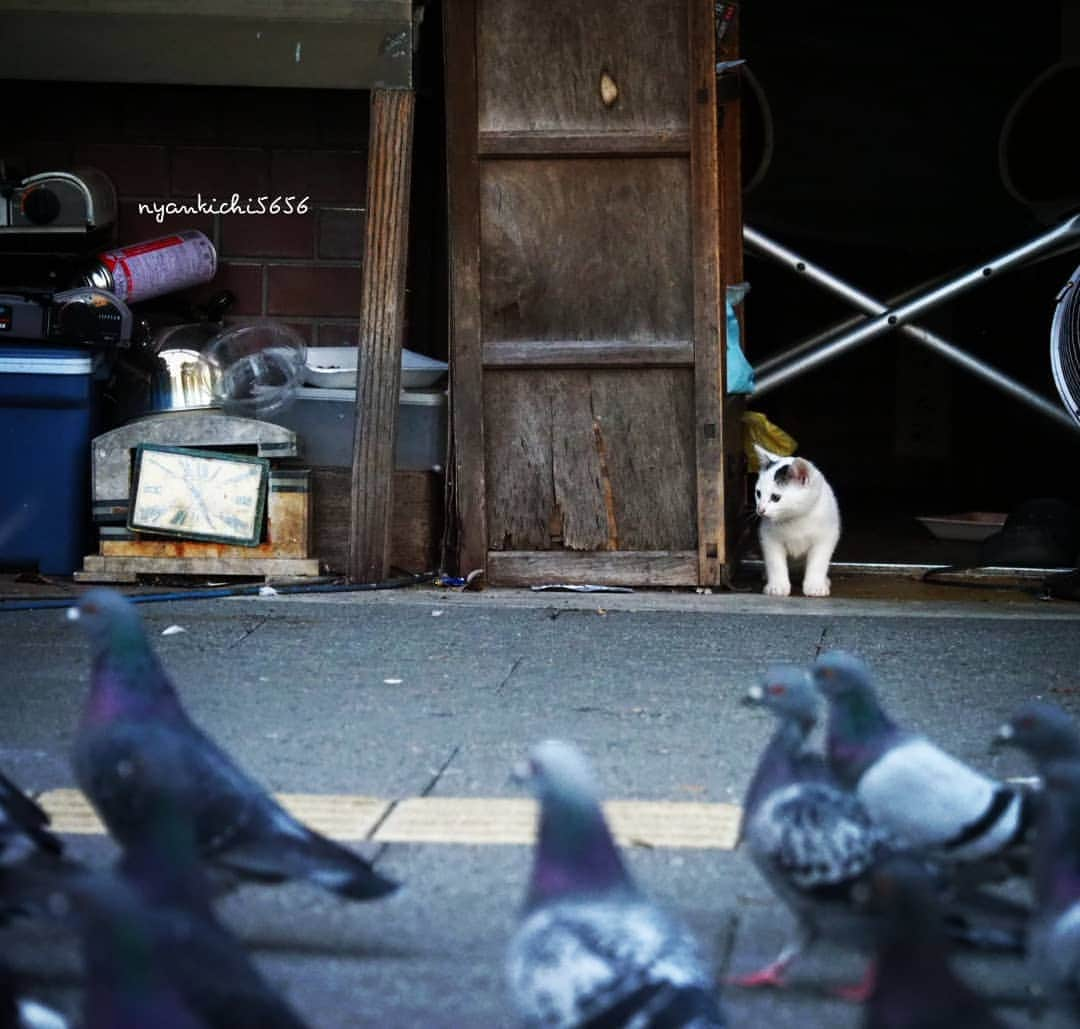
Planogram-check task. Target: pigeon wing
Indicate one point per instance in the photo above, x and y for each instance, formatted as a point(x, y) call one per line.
point(577, 963)
point(816, 836)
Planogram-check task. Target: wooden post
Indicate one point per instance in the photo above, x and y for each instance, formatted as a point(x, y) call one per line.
point(467, 473)
point(709, 328)
point(382, 321)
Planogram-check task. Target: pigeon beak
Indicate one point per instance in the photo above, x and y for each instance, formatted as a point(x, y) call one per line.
point(1003, 737)
point(72, 614)
point(753, 696)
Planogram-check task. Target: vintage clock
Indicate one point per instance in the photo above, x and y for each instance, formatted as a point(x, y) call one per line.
point(198, 494)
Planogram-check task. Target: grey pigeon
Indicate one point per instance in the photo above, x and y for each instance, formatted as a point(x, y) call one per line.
point(154, 953)
point(23, 823)
point(133, 722)
point(592, 950)
point(1054, 944)
point(925, 796)
point(1043, 731)
point(815, 844)
point(811, 839)
point(1050, 738)
point(915, 986)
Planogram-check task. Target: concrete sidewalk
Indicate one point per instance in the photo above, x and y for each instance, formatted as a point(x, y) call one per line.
point(433, 693)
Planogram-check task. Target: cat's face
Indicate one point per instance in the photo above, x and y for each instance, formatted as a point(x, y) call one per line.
point(781, 485)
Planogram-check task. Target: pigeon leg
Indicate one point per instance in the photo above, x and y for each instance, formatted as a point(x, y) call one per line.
point(773, 973)
point(859, 993)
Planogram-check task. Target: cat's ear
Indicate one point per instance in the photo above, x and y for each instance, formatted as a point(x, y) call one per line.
point(799, 471)
point(765, 457)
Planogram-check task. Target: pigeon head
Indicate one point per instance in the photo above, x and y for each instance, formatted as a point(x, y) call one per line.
point(126, 677)
point(788, 692)
point(575, 852)
point(859, 730)
point(1043, 731)
point(110, 621)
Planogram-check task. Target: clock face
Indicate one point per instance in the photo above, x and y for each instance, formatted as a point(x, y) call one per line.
point(198, 494)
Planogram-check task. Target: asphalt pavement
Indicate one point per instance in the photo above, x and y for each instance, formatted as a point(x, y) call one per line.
point(425, 693)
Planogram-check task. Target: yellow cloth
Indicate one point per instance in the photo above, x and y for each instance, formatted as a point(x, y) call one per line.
point(758, 429)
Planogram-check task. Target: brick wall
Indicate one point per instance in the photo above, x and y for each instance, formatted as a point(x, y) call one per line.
point(161, 144)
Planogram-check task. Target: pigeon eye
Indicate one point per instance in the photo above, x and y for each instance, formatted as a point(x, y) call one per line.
point(826, 673)
point(775, 689)
point(90, 609)
point(1027, 722)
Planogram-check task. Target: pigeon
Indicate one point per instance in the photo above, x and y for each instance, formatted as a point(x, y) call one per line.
point(133, 723)
point(591, 949)
point(1054, 944)
point(925, 796)
point(810, 839)
point(23, 823)
point(915, 987)
point(815, 844)
point(154, 953)
point(1043, 731)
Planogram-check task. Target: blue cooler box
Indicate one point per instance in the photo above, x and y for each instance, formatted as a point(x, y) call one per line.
point(47, 420)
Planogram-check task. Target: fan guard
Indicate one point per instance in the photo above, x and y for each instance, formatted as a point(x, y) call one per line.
point(1065, 345)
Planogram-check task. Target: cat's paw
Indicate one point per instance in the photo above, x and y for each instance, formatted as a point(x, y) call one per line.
point(778, 589)
point(816, 588)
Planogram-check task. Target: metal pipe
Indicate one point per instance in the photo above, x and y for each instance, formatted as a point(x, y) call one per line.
point(889, 319)
point(867, 303)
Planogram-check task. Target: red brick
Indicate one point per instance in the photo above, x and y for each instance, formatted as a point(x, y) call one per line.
point(134, 170)
point(216, 173)
point(305, 330)
point(339, 334)
point(173, 114)
point(134, 226)
point(268, 235)
point(341, 233)
point(243, 280)
point(271, 117)
point(42, 156)
point(344, 116)
point(337, 176)
point(314, 290)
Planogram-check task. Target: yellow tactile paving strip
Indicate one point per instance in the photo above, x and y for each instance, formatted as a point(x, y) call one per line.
point(467, 820)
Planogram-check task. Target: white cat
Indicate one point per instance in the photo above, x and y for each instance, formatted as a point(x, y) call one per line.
point(799, 519)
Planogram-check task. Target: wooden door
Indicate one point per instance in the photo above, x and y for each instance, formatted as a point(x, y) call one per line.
point(586, 219)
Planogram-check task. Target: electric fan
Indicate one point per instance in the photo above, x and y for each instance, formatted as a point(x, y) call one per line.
point(1065, 345)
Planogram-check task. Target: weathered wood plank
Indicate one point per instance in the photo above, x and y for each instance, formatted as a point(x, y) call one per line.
point(594, 249)
point(587, 353)
point(126, 566)
point(590, 460)
point(708, 290)
point(729, 159)
point(606, 568)
point(467, 486)
point(654, 143)
point(381, 330)
point(541, 65)
point(415, 530)
point(344, 44)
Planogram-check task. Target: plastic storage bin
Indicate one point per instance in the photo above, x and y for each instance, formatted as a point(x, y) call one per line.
point(324, 421)
point(47, 419)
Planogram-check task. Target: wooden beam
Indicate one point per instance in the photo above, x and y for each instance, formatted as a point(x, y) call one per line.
point(591, 353)
point(729, 161)
point(661, 143)
point(601, 568)
point(708, 292)
point(381, 329)
point(467, 486)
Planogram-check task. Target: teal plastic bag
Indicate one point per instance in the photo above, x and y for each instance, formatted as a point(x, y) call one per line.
point(740, 375)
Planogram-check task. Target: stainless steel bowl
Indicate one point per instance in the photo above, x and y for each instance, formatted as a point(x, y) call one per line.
point(181, 379)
